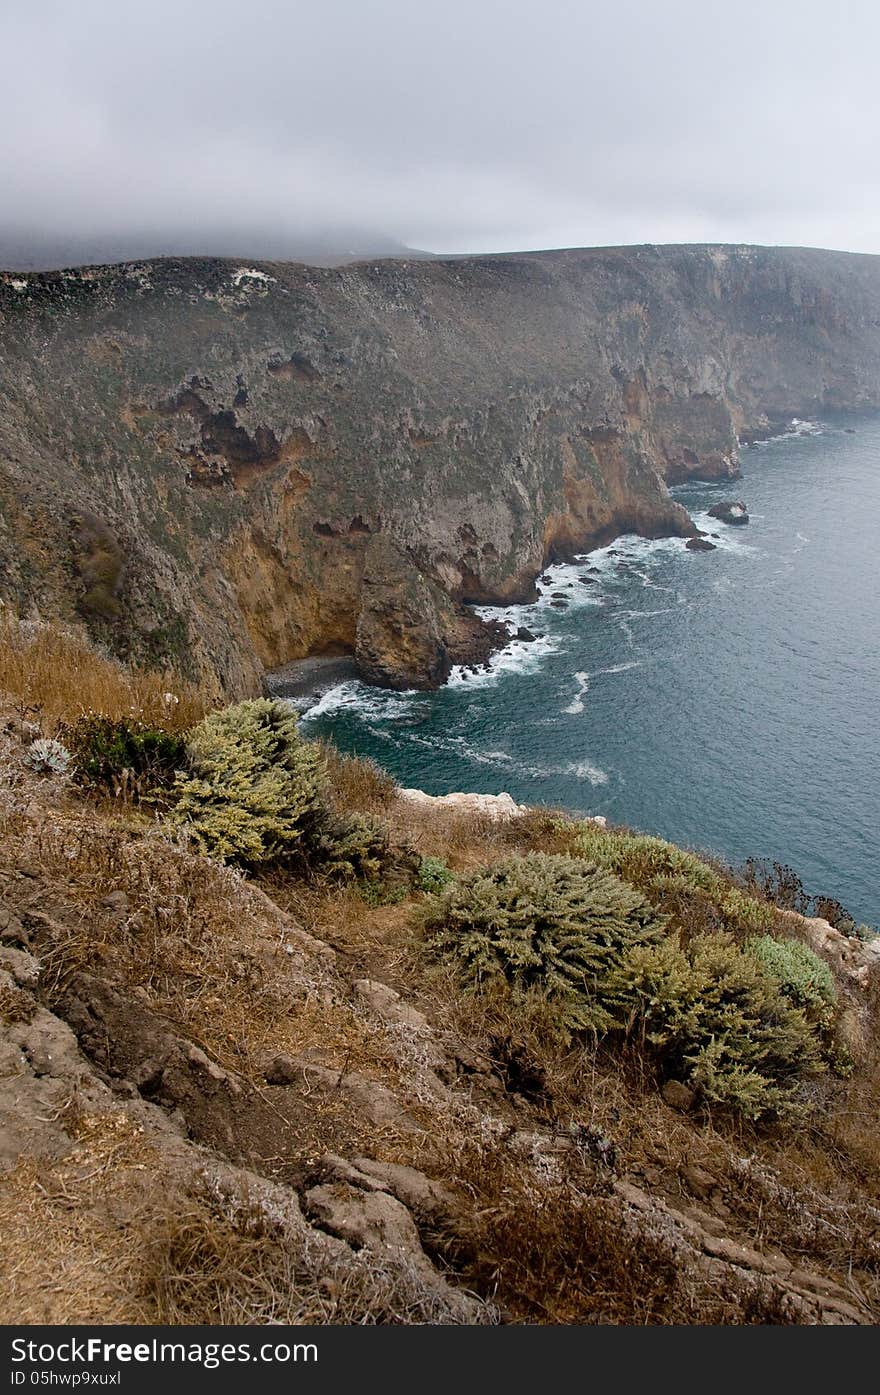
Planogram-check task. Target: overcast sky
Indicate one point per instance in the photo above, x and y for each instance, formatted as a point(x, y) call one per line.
point(459, 125)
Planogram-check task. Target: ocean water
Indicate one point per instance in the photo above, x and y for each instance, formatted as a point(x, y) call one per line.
point(726, 700)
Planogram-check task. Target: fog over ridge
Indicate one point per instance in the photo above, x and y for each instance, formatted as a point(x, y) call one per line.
point(486, 126)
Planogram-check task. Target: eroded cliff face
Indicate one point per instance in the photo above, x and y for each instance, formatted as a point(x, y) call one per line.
point(224, 467)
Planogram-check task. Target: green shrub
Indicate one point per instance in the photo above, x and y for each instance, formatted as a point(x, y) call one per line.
point(123, 757)
point(381, 893)
point(543, 921)
point(254, 794)
point(804, 978)
point(718, 1019)
point(433, 875)
point(663, 872)
point(355, 847)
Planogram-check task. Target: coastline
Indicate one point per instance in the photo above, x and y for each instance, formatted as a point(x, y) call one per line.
point(303, 682)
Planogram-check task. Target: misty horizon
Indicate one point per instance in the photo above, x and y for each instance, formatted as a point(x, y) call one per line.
point(482, 128)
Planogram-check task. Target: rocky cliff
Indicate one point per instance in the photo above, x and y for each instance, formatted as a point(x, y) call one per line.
point(223, 467)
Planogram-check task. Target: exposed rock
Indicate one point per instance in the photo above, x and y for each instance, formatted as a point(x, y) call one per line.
point(334, 1168)
point(400, 641)
point(369, 1218)
point(262, 431)
point(21, 966)
point(372, 1100)
point(679, 1096)
point(699, 545)
point(409, 633)
point(730, 511)
point(11, 929)
point(809, 1297)
point(525, 635)
point(699, 1181)
point(387, 1004)
point(282, 1070)
point(854, 959)
point(430, 1201)
point(499, 807)
point(116, 902)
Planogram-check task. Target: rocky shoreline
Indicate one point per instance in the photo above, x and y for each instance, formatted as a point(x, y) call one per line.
point(346, 461)
point(303, 682)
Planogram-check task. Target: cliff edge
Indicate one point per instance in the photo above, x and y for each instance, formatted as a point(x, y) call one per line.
point(223, 467)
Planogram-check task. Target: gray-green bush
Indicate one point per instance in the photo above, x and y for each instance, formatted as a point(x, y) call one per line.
point(255, 793)
point(804, 978)
point(547, 922)
point(718, 1019)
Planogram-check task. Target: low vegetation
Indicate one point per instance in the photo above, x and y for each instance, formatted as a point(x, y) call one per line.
point(252, 792)
point(256, 794)
point(123, 756)
point(570, 974)
point(738, 1024)
point(543, 922)
point(673, 878)
point(715, 1019)
point(51, 674)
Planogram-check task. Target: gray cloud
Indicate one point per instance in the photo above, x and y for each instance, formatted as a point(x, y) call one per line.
point(454, 126)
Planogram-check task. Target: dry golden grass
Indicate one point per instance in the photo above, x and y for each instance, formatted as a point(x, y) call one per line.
point(216, 1260)
point(67, 1254)
point(357, 784)
point(50, 674)
point(204, 948)
point(194, 939)
point(465, 838)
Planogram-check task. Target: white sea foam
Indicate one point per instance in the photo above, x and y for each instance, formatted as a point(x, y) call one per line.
point(367, 701)
point(619, 668)
point(504, 761)
point(796, 427)
point(728, 537)
point(582, 770)
point(577, 703)
point(610, 568)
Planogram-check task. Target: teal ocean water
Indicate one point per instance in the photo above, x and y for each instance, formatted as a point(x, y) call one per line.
point(726, 700)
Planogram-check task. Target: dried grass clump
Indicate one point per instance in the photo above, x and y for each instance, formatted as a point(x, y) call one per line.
point(564, 1251)
point(356, 783)
point(72, 1227)
point(55, 674)
point(217, 1260)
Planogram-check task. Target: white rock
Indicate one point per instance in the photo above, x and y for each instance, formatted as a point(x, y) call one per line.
point(499, 807)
